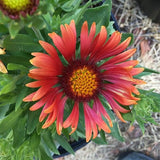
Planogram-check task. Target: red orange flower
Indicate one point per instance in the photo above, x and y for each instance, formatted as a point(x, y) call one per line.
point(101, 68)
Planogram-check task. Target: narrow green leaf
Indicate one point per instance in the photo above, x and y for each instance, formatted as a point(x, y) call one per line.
point(92, 15)
point(76, 15)
point(34, 141)
point(102, 134)
point(13, 66)
point(14, 28)
point(8, 87)
point(19, 132)
point(10, 121)
point(99, 140)
point(126, 35)
point(62, 141)
point(33, 119)
point(44, 155)
point(3, 110)
point(146, 72)
point(128, 116)
point(3, 29)
point(38, 23)
point(50, 142)
point(21, 44)
point(20, 97)
point(115, 132)
point(110, 28)
point(74, 136)
point(70, 5)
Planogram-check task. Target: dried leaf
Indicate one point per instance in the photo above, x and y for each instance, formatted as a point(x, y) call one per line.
point(144, 47)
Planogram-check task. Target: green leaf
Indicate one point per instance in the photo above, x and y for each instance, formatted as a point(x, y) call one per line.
point(17, 60)
point(126, 35)
point(92, 15)
point(3, 111)
point(142, 112)
point(14, 28)
point(71, 5)
point(146, 72)
point(19, 132)
point(128, 116)
point(21, 44)
point(33, 119)
point(20, 97)
point(101, 139)
point(3, 29)
point(8, 87)
point(48, 139)
point(10, 121)
point(13, 66)
point(38, 23)
point(115, 132)
point(34, 140)
point(44, 155)
point(62, 141)
point(76, 15)
point(110, 28)
point(7, 99)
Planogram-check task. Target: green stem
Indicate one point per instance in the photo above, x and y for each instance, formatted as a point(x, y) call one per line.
point(38, 33)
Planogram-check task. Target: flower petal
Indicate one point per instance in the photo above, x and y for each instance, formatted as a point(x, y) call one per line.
point(98, 42)
point(60, 110)
point(72, 120)
point(136, 71)
point(3, 68)
point(99, 109)
point(29, 97)
point(91, 122)
point(67, 44)
point(121, 57)
point(41, 92)
point(86, 39)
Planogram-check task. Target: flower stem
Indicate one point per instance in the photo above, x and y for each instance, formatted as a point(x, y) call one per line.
point(38, 33)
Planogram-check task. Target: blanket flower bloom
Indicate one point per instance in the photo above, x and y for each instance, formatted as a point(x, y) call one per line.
point(100, 68)
point(15, 8)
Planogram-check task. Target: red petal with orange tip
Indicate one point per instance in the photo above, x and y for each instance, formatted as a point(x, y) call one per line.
point(72, 120)
point(67, 44)
point(99, 41)
point(113, 104)
point(99, 109)
point(112, 42)
point(121, 57)
point(113, 52)
point(29, 97)
point(86, 39)
point(41, 92)
point(91, 122)
point(60, 111)
point(51, 51)
point(40, 83)
point(136, 71)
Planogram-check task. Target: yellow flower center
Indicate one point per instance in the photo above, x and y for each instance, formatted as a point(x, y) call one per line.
point(83, 82)
point(16, 5)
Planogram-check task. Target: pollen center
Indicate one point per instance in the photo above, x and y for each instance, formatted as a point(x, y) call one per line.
point(83, 82)
point(16, 5)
